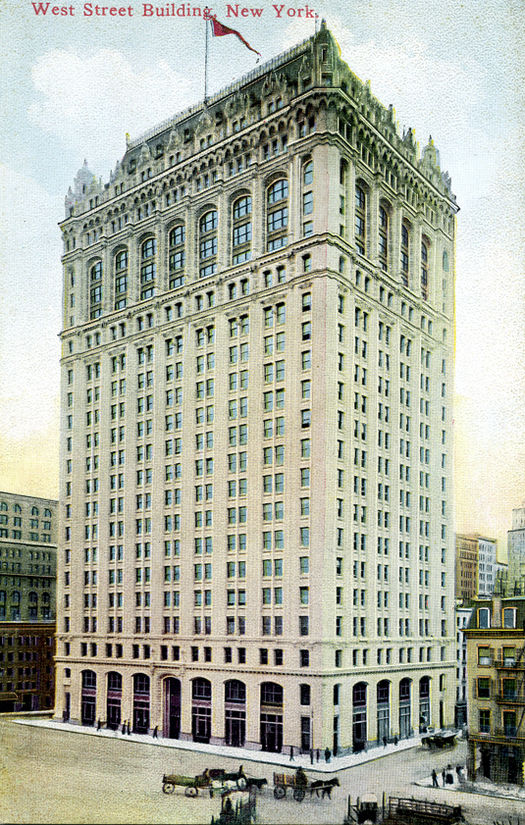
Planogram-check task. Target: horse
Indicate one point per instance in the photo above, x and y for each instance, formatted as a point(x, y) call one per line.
point(257, 783)
point(323, 785)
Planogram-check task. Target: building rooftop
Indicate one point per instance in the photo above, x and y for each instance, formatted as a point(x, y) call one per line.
point(298, 70)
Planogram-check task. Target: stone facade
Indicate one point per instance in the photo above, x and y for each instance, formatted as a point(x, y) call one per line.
point(256, 539)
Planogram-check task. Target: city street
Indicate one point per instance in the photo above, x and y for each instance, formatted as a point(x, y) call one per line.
point(52, 776)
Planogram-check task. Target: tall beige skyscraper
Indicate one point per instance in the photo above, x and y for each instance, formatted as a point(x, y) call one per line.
point(256, 461)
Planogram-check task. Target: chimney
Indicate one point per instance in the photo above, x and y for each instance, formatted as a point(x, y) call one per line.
point(496, 612)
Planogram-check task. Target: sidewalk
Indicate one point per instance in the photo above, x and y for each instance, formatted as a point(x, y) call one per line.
point(482, 787)
point(242, 754)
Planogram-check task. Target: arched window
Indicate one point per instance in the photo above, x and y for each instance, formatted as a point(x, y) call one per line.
point(383, 237)
point(15, 597)
point(360, 219)
point(277, 215)
point(89, 679)
point(2, 596)
point(201, 710)
point(359, 721)
point(424, 268)
point(383, 710)
point(45, 598)
point(405, 710)
point(17, 508)
point(383, 692)
point(235, 691)
point(445, 261)
point(33, 597)
point(201, 689)
point(47, 512)
point(424, 687)
point(141, 683)
point(114, 681)
point(208, 243)
point(405, 252)
point(148, 268)
point(242, 230)
point(3, 505)
point(177, 256)
point(95, 290)
point(424, 703)
point(35, 511)
point(121, 278)
point(88, 697)
point(404, 690)
point(271, 694)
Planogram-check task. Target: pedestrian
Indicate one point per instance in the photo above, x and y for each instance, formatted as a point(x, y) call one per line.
point(156, 732)
point(99, 725)
point(129, 728)
point(396, 740)
point(450, 777)
point(434, 779)
point(327, 754)
point(444, 776)
point(459, 771)
point(291, 753)
point(385, 741)
point(124, 726)
point(318, 755)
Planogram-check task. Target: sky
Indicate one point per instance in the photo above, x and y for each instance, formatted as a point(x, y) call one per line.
point(73, 84)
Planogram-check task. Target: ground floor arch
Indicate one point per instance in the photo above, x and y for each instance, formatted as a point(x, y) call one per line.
point(242, 709)
point(172, 707)
point(271, 717)
point(114, 700)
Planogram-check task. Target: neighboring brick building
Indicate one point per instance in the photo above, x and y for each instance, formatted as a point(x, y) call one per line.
point(466, 567)
point(496, 689)
point(27, 673)
point(28, 533)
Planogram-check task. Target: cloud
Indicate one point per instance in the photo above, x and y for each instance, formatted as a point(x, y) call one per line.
point(90, 102)
point(31, 287)
point(433, 93)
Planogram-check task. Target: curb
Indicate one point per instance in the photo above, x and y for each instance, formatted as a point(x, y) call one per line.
point(224, 751)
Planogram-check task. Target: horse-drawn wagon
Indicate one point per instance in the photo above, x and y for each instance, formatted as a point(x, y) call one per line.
point(211, 778)
point(298, 784)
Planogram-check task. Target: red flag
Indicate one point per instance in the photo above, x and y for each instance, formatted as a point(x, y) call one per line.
point(219, 30)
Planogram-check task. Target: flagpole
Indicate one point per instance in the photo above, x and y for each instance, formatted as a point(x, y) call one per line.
point(206, 60)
